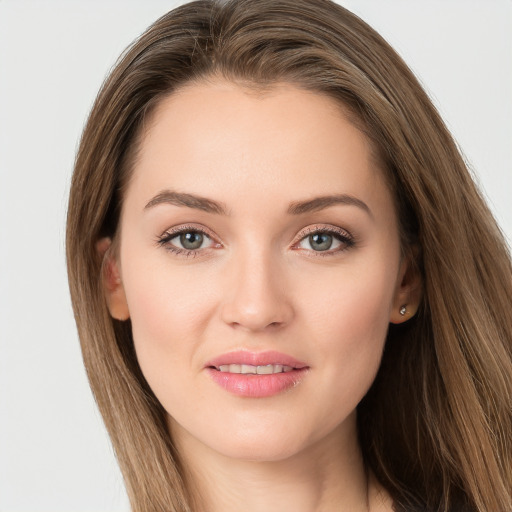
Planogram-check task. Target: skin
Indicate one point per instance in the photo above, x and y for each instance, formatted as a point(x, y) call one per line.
point(259, 283)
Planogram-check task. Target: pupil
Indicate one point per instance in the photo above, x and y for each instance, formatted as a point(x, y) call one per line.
point(191, 240)
point(320, 241)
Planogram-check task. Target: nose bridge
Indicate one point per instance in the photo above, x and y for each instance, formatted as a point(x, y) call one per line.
point(256, 296)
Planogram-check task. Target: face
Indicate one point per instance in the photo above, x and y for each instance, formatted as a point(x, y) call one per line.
point(259, 262)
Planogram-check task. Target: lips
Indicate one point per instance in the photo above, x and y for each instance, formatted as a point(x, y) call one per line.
point(244, 357)
point(249, 369)
point(256, 375)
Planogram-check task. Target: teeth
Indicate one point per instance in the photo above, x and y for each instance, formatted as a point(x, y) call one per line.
point(265, 370)
point(255, 370)
point(247, 368)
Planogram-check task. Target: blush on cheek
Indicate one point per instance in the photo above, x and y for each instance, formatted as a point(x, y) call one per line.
point(166, 322)
point(355, 339)
point(155, 304)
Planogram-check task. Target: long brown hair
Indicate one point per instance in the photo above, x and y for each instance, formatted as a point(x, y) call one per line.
point(436, 426)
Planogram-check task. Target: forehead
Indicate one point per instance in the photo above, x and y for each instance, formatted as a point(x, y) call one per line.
point(283, 138)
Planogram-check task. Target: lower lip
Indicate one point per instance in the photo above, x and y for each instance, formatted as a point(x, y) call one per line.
point(257, 386)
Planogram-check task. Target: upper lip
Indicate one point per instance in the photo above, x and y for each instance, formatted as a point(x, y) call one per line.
point(255, 359)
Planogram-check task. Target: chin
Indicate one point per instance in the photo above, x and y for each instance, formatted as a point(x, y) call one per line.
point(261, 441)
point(260, 450)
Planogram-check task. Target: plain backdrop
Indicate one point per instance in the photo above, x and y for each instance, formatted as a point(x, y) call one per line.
point(54, 452)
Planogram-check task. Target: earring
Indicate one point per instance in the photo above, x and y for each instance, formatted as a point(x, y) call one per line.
point(403, 310)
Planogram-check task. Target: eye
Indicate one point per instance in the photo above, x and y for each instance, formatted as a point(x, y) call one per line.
point(186, 241)
point(325, 240)
point(320, 241)
point(189, 240)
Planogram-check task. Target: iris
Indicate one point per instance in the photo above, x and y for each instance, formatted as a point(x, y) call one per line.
point(320, 241)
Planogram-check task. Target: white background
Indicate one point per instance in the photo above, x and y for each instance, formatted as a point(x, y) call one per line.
point(54, 452)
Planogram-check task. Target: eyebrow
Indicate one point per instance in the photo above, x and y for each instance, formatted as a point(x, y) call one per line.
point(188, 200)
point(295, 208)
point(320, 203)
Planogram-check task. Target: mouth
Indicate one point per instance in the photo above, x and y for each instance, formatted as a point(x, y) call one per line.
point(249, 369)
point(256, 375)
point(255, 363)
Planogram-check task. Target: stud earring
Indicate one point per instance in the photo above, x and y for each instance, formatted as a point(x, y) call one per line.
point(403, 310)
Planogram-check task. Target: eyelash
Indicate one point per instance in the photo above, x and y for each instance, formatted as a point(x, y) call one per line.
point(342, 236)
point(165, 239)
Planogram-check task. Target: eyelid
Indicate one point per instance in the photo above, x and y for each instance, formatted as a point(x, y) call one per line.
point(181, 228)
point(342, 234)
point(322, 228)
point(171, 233)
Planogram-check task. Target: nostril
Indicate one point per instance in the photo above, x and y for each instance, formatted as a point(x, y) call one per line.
point(256, 313)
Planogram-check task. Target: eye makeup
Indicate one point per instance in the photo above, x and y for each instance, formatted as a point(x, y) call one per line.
point(322, 240)
point(187, 240)
point(319, 240)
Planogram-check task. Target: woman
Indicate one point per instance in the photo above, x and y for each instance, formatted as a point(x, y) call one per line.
point(288, 290)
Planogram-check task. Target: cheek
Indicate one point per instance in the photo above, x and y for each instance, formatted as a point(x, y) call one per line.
point(350, 321)
point(356, 300)
point(169, 309)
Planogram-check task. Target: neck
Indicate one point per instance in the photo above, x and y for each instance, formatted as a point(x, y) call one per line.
point(326, 476)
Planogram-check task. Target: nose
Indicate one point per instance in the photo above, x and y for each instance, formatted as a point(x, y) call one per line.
point(256, 295)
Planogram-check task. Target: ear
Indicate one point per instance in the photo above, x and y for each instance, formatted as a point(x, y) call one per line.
point(112, 284)
point(408, 290)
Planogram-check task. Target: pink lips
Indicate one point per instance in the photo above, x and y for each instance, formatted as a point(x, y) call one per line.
point(256, 385)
